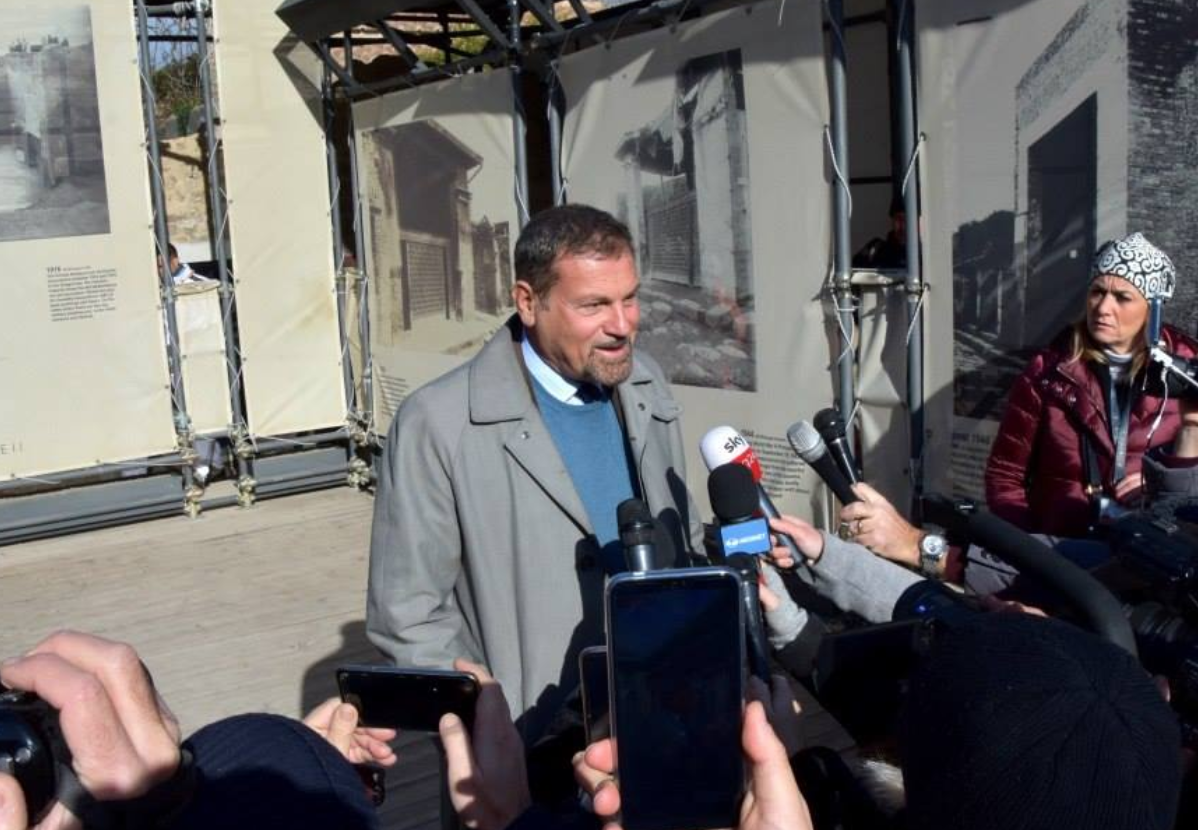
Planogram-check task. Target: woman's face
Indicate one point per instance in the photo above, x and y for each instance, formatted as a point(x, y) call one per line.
point(1115, 313)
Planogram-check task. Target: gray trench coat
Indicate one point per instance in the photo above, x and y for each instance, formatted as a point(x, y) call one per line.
point(481, 546)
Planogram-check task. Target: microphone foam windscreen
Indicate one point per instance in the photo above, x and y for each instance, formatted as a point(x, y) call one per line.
point(828, 421)
point(806, 441)
point(632, 511)
point(733, 492)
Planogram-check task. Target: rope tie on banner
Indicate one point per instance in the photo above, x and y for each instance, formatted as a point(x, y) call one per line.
point(911, 161)
point(681, 14)
point(898, 28)
point(616, 29)
point(844, 185)
point(849, 335)
point(15, 477)
point(915, 316)
point(554, 85)
point(147, 463)
point(781, 9)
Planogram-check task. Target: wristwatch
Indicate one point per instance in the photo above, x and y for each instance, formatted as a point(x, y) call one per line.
point(932, 550)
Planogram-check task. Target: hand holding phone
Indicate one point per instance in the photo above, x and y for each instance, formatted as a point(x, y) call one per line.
point(408, 698)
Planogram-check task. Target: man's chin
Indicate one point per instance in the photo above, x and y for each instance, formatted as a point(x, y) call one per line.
point(609, 372)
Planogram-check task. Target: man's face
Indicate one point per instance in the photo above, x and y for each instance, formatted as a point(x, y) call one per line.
point(585, 325)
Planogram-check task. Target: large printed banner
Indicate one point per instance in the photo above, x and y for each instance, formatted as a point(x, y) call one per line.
point(277, 181)
point(1052, 125)
point(202, 345)
point(82, 356)
point(707, 140)
point(437, 175)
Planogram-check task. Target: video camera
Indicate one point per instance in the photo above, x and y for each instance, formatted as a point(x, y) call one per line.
point(1154, 572)
point(32, 748)
point(860, 675)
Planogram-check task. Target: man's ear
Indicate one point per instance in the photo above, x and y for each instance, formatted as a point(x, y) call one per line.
point(526, 301)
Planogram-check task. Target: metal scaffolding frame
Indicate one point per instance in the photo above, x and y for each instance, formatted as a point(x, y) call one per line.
point(43, 505)
point(543, 45)
point(513, 45)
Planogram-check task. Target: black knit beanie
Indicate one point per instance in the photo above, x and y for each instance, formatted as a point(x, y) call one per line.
point(259, 772)
point(1016, 722)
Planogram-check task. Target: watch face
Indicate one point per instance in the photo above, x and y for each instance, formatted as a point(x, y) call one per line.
point(933, 546)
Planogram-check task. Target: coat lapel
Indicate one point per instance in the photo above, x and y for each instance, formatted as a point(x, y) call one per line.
point(1081, 394)
point(499, 394)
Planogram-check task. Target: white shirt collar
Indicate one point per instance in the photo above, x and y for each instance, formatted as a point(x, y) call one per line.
point(559, 388)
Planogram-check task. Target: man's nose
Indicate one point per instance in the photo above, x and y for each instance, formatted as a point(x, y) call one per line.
point(620, 322)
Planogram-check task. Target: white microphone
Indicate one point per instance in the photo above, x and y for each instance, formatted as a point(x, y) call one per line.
point(723, 445)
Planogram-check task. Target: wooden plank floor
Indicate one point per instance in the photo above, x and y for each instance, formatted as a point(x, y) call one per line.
point(237, 611)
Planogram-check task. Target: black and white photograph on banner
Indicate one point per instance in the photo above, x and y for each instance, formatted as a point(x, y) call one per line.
point(1080, 134)
point(686, 201)
point(437, 185)
point(442, 267)
point(52, 181)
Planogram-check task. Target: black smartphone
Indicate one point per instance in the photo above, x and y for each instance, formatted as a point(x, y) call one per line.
point(592, 673)
point(404, 698)
point(676, 672)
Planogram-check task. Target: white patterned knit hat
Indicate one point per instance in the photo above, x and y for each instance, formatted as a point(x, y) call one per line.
point(1138, 261)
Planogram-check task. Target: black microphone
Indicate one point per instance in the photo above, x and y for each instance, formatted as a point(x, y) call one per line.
point(811, 448)
point(830, 427)
point(743, 539)
point(637, 534)
point(723, 445)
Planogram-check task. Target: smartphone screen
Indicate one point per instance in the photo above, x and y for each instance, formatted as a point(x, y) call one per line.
point(592, 669)
point(676, 647)
point(402, 698)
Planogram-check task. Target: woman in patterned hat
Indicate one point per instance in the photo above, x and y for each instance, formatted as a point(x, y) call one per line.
point(1080, 418)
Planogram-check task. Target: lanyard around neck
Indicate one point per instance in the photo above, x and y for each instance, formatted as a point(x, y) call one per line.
point(1119, 397)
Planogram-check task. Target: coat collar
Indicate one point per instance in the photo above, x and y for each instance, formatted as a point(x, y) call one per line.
point(499, 388)
point(499, 392)
point(1083, 395)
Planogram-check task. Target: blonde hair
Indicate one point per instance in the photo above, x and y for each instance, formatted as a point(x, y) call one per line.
point(1082, 347)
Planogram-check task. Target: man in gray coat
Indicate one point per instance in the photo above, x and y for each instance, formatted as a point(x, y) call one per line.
point(494, 521)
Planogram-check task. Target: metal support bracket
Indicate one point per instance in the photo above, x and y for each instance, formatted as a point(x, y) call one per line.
point(485, 23)
point(399, 44)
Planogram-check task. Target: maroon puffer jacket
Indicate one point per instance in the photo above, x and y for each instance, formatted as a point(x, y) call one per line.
point(1035, 478)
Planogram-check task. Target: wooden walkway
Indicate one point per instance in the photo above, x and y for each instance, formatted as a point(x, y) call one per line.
point(237, 611)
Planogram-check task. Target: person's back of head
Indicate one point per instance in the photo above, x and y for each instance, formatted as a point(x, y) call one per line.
point(1016, 722)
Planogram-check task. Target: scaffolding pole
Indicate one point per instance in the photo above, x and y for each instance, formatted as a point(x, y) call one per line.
point(349, 388)
point(556, 106)
point(239, 434)
point(72, 478)
point(363, 287)
point(165, 280)
point(909, 149)
point(518, 125)
point(841, 257)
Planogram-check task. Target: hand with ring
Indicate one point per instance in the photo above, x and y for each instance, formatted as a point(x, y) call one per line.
point(888, 534)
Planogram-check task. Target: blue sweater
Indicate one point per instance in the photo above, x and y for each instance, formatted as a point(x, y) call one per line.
point(596, 453)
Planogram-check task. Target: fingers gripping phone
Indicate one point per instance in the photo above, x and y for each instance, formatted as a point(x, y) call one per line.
point(676, 670)
point(592, 671)
point(406, 698)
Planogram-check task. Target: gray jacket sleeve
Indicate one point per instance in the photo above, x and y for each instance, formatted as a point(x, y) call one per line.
point(856, 580)
point(1164, 475)
point(415, 547)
